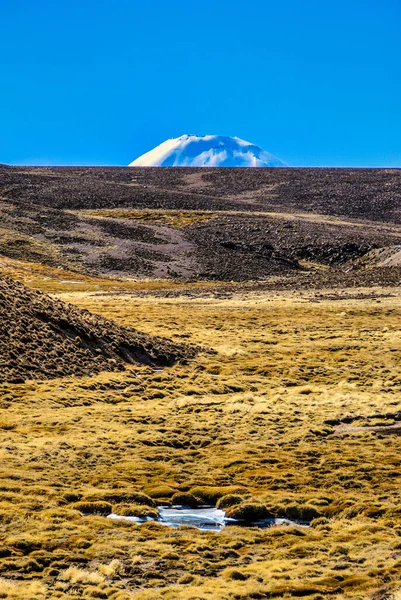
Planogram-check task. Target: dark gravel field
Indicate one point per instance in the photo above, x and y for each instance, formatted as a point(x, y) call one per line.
point(213, 224)
point(372, 194)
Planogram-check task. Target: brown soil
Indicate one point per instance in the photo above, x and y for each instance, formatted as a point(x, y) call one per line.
point(381, 423)
point(381, 429)
point(43, 338)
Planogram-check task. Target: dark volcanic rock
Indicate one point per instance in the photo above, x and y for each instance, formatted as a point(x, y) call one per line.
point(256, 223)
point(372, 194)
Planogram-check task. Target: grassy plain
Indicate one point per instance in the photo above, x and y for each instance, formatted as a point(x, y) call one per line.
point(284, 414)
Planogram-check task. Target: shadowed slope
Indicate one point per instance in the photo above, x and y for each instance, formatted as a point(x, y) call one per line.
point(43, 338)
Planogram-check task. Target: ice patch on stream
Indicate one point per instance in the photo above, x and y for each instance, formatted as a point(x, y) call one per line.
point(206, 519)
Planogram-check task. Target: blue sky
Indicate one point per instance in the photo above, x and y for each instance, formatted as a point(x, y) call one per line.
point(101, 82)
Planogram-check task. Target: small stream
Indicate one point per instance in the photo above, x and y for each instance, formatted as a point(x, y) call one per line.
point(206, 519)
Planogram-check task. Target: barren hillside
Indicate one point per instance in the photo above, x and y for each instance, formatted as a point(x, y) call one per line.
point(43, 338)
point(202, 224)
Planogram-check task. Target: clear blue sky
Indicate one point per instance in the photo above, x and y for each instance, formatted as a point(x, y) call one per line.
point(100, 82)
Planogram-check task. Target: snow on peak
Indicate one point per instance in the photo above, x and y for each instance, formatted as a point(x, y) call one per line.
point(207, 151)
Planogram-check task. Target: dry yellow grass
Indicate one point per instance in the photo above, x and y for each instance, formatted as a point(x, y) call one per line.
point(58, 280)
point(174, 218)
point(257, 419)
point(12, 243)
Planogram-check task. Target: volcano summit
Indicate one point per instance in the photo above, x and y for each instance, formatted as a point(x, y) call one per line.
point(207, 151)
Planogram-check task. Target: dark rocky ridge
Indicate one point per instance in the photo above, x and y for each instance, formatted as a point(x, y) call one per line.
point(372, 194)
point(43, 338)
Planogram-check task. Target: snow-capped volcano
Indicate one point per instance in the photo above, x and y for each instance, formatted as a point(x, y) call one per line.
point(207, 151)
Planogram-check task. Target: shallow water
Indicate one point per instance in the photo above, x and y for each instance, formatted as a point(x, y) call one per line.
point(206, 519)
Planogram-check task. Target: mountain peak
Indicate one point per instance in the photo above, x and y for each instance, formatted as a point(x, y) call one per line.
point(191, 150)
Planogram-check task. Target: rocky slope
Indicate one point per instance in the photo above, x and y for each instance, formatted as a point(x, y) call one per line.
point(43, 338)
point(191, 224)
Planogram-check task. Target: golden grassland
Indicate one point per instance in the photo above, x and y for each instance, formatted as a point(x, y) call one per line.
point(35, 249)
point(55, 280)
point(261, 419)
point(173, 218)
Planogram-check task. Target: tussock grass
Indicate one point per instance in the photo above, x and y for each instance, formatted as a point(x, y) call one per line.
point(136, 510)
point(12, 590)
point(93, 508)
point(260, 425)
point(75, 575)
point(248, 512)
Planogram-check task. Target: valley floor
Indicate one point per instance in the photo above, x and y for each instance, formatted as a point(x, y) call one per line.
point(296, 410)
